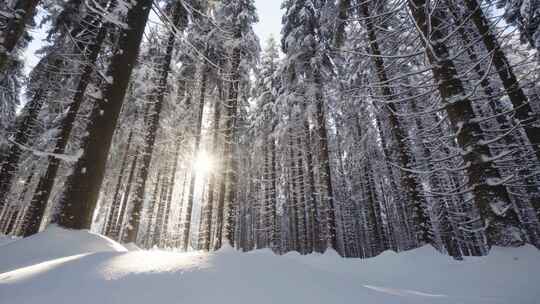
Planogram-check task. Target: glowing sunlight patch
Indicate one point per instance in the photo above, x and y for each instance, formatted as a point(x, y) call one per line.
point(203, 163)
point(155, 261)
point(28, 272)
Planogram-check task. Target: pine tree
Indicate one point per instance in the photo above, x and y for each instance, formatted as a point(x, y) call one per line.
point(269, 87)
point(178, 17)
point(409, 183)
point(305, 43)
point(82, 188)
point(238, 16)
point(89, 46)
point(483, 178)
point(44, 73)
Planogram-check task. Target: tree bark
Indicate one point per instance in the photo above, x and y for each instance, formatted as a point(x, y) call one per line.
point(227, 178)
point(178, 16)
point(409, 183)
point(324, 158)
point(43, 190)
point(172, 179)
point(524, 113)
point(83, 185)
point(480, 172)
point(115, 203)
point(211, 184)
point(196, 148)
point(116, 232)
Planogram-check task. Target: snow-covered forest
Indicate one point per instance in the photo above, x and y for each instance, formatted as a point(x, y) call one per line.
point(367, 126)
point(161, 151)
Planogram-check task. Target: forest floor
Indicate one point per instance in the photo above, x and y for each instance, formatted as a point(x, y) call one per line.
point(59, 266)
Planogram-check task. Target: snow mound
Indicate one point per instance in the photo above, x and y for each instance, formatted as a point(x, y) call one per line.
point(421, 276)
point(52, 243)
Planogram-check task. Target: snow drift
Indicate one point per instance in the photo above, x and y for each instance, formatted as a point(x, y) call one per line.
point(53, 243)
point(59, 266)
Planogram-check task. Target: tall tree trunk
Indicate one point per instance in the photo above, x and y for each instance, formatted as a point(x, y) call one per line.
point(116, 232)
point(171, 182)
point(375, 230)
point(177, 241)
point(312, 198)
point(263, 219)
point(43, 190)
point(26, 187)
point(324, 158)
point(524, 165)
point(409, 183)
point(522, 107)
point(161, 182)
point(178, 16)
point(227, 176)
point(295, 198)
point(115, 203)
point(12, 219)
point(211, 184)
point(196, 148)
point(83, 184)
point(302, 214)
point(149, 237)
point(480, 173)
point(274, 236)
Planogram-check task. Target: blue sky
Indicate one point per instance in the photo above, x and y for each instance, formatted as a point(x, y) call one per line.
point(269, 24)
point(269, 19)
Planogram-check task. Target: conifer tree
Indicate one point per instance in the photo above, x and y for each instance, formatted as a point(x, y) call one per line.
point(304, 43)
point(237, 16)
point(82, 188)
point(178, 20)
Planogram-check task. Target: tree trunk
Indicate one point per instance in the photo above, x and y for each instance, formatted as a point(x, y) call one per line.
point(196, 148)
point(295, 198)
point(172, 179)
point(227, 178)
point(83, 185)
point(524, 112)
point(274, 236)
point(115, 203)
point(116, 232)
point(134, 219)
point(26, 187)
point(43, 190)
point(211, 184)
point(161, 182)
point(301, 207)
point(480, 173)
point(324, 158)
point(409, 183)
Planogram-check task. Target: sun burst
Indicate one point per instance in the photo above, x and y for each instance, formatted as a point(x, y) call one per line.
point(203, 163)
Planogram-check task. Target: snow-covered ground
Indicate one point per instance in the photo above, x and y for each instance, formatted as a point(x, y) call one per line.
point(4, 239)
point(60, 266)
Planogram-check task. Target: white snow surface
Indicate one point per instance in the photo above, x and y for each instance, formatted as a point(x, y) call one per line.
point(5, 239)
point(61, 266)
point(51, 244)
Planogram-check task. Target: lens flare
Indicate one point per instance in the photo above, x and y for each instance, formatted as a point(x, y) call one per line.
point(203, 163)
